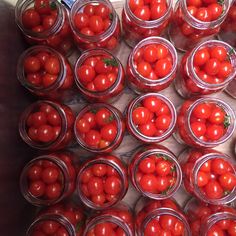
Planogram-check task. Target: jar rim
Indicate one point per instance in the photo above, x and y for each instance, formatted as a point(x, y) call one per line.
point(192, 72)
point(228, 110)
point(156, 40)
point(21, 74)
point(25, 115)
point(96, 52)
point(135, 131)
point(117, 116)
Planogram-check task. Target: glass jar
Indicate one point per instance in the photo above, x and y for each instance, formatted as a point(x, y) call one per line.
point(99, 128)
point(46, 73)
point(204, 122)
point(209, 175)
point(195, 22)
point(231, 88)
point(151, 65)
point(45, 23)
point(155, 217)
point(116, 220)
point(137, 28)
point(228, 29)
point(95, 24)
point(48, 179)
point(102, 182)
point(206, 219)
point(207, 69)
point(100, 76)
point(46, 125)
point(60, 219)
point(151, 118)
point(154, 172)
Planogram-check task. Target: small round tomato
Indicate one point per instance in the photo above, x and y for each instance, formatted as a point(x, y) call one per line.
point(163, 67)
point(163, 122)
point(81, 20)
point(147, 165)
point(217, 116)
point(31, 64)
point(45, 133)
point(158, 10)
point(214, 132)
point(152, 103)
point(163, 168)
point(219, 53)
point(112, 185)
point(143, 13)
point(198, 128)
point(86, 73)
point(212, 66)
point(92, 138)
point(148, 183)
point(202, 179)
point(201, 57)
point(150, 53)
point(202, 111)
point(228, 181)
point(213, 190)
point(140, 115)
point(96, 24)
point(109, 132)
point(144, 68)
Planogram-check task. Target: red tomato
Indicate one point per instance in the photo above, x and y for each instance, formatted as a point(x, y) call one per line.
point(144, 68)
point(89, 9)
point(34, 79)
point(163, 67)
point(50, 175)
point(109, 132)
point(81, 20)
point(50, 227)
point(90, 118)
point(54, 118)
point(103, 117)
point(148, 129)
point(99, 170)
point(102, 10)
point(48, 22)
point(162, 51)
point(34, 172)
point(163, 168)
point(225, 69)
point(215, 231)
point(228, 181)
point(163, 109)
point(140, 115)
point(82, 125)
point(167, 222)
point(196, 3)
point(152, 228)
point(101, 82)
point(212, 66)
point(31, 64)
point(96, 24)
point(48, 80)
point(162, 183)
point(150, 53)
point(198, 128)
point(52, 65)
point(219, 166)
point(203, 14)
point(92, 138)
point(143, 13)
point(217, 116)
point(215, 10)
point(148, 183)
point(201, 57)
point(178, 228)
point(152, 103)
point(112, 185)
point(202, 179)
point(37, 188)
point(103, 229)
point(86, 73)
point(232, 228)
point(86, 175)
point(202, 111)
point(95, 186)
point(214, 132)
point(98, 199)
point(133, 4)
point(219, 53)
point(158, 10)
point(102, 66)
point(163, 122)
point(45, 133)
point(30, 18)
point(42, 7)
point(147, 165)
point(213, 190)
point(53, 191)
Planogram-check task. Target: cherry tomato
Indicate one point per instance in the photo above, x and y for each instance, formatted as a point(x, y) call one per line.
point(37, 188)
point(163, 67)
point(147, 165)
point(163, 168)
point(148, 129)
point(133, 4)
point(144, 68)
point(112, 185)
point(163, 122)
point(140, 115)
point(148, 183)
point(217, 116)
point(31, 64)
point(96, 24)
point(202, 179)
point(201, 57)
point(81, 20)
point(102, 10)
point(198, 128)
point(53, 191)
point(153, 228)
point(203, 14)
point(167, 221)
point(225, 69)
point(152, 103)
point(92, 138)
point(103, 229)
point(212, 66)
point(103, 116)
point(215, 10)
point(143, 13)
point(219, 53)
point(109, 132)
point(202, 111)
point(45, 133)
point(95, 185)
point(89, 9)
point(228, 181)
point(82, 125)
point(30, 18)
point(52, 65)
point(219, 166)
point(86, 73)
point(214, 132)
point(150, 53)
point(213, 190)
point(158, 10)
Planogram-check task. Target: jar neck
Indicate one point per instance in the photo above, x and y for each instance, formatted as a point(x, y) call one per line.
point(65, 182)
point(107, 218)
point(122, 174)
point(22, 77)
point(117, 117)
point(145, 42)
point(190, 64)
point(164, 211)
point(138, 157)
point(78, 5)
point(137, 101)
point(201, 25)
point(98, 52)
point(194, 178)
point(60, 219)
point(228, 110)
point(23, 5)
point(23, 129)
point(213, 219)
point(148, 24)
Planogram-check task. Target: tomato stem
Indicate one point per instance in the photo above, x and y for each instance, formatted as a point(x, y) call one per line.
point(111, 16)
point(227, 121)
point(110, 62)
point(79, 225)
point(53, 6)
point(221, 2)
point(94, 111)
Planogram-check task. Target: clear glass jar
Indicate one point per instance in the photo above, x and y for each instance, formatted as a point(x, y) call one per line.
point(116, 220)
point(45, 23)
point(46, 73)
point(151, 83)
point(194, 81)
point(60, 219)
point(228, 29)
point(186, 31)
point(164, 217)
point(204, 122)
point(206, 219)
point(136, 29)
point(151, 118)
point(84, 37)
point(46, 125)
point(48, 179)
point(209, 175)
point(102, 182)
point(95, 87)
point(154, 172)
point(99, 128)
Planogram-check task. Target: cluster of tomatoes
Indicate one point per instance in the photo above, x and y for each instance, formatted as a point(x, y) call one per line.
point(152, 117)
point(153, 61)
point(148, 10)
point(156, 174)
point(97, 128)
point(101, 184)
point(43, 69)
point(199, 213)
point(98, 73)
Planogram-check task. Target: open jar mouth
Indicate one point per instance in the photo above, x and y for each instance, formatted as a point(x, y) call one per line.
point(156, 214)
point(155, 40)
point(229, 197)
point(23, 130)
point(231, 53)
point(202, 25)
point(97, 52)
point(78, 7)
point(123, 180)
point(107, 219)
point(138, 101)
point(33, 52)
point(21, 6)
point(115, 117)
point(230, 117)
point(152, 23)
point(63, 176)
point(177, 176)
point(62, 222)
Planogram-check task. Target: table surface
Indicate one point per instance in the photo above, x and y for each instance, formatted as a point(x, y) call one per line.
point(129, 144)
